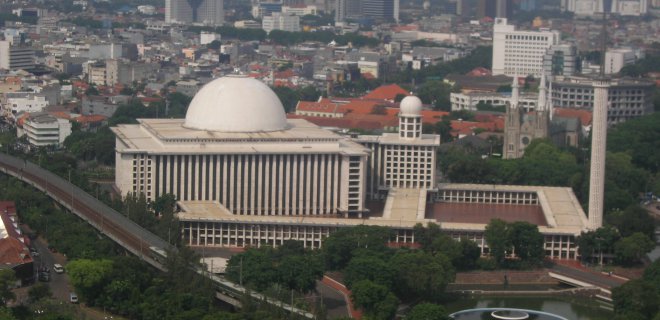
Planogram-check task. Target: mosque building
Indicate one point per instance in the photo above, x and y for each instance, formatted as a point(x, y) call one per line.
point(245, 175)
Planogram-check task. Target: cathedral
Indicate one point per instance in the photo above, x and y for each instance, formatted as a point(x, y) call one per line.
point(520, 126)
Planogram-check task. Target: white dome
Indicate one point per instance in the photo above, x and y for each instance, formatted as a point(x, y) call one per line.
point(236, 104)
point(411, 106)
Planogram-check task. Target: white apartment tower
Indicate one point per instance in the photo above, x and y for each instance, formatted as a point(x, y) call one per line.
point(520, 52)
point(591, 7)
point(210, 12)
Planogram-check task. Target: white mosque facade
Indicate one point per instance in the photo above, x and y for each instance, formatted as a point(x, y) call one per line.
point(245, 175)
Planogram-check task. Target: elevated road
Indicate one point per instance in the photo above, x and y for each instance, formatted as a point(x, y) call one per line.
point(117, 227)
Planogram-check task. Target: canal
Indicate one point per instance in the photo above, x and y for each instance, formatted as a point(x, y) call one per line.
point(573, 308)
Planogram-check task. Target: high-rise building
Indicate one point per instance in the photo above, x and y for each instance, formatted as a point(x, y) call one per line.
point(195, 11)
point(347, 9)
point(621, 7)
point(503, 9)
point(14, 57)
point(528, 5)
point(279, 21)
point(561, 60)
point(520, 52)
point(617, 58)
point(486, 8)
point(381, 9)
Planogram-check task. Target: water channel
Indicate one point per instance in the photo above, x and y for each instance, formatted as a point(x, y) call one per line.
point(573, 308)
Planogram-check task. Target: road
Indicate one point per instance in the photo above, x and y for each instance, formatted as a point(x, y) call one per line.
point(585, 275)
point(59, 283)
point(114, 225)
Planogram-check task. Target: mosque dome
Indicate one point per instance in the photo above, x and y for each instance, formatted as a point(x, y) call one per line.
point(236, 103)
point(411, 106)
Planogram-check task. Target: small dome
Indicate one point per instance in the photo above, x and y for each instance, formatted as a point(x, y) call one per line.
point(236, 104)
point(411, 106)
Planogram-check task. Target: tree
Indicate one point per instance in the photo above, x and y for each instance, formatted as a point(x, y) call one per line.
point(7, 282)
point(300, 272)
point(592, 244)
point(498, 239)
point(89, 277)
point(369, 267)
point(630, 250)
point(527, 241)
point(92, 91)
point(632, 220)
point(38, 292)
point(636, 297)
point(435, 93)
point(340, 247)
point(427, 311)
point(422, 275)
point(254, 268)
point(375, 299)
point(470, 253)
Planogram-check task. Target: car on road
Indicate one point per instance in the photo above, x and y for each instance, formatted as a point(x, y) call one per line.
point(58, 268)
point(73, 297)
point(34, 252)
point(44, 276)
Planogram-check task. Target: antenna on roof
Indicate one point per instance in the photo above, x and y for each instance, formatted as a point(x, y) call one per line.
point(603, 41)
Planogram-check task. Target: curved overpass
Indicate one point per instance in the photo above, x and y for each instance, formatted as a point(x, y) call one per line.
point(114, 225)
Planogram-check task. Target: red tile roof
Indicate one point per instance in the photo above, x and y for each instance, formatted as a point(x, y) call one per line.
point(585, 116)
point(386, 92)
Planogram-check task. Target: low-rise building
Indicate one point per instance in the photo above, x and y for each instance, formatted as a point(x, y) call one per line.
point(43, 129)
point(14, 245)
point(280, 21)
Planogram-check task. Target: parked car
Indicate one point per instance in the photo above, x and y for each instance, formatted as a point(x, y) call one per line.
point(44, 276)
point(34, 252)
point(58, 268)
point(73, 297)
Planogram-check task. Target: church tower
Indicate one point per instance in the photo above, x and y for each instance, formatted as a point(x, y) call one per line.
point(543, 109)
point(512, 124)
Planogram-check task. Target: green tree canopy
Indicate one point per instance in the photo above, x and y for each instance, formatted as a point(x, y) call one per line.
point(427, 311)
point(89, 276)
point(497, 235)
point(631, 249)
point(527, 242)
point(375, 299)
point(422, 275)
point(7, 282)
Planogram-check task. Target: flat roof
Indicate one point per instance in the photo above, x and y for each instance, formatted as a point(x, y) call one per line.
point(168, 136)
point(557, 211)
point(482, 213)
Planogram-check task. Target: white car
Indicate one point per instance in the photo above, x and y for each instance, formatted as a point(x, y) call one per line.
point(73, 297)
point(58, 268)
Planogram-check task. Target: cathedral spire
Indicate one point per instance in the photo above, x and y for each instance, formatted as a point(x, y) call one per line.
point(541, 103)
point(515, 92)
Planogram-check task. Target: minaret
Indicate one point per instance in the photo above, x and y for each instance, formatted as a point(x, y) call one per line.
point(410, 118)
point(598, 144)
point(515, 92)
point(598, 141)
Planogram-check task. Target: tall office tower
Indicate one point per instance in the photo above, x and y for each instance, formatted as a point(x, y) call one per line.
point(520, 52)
point(486, 8)
point(347, 9)
point(528, 5)
point(503, 9)
point(189, 11)
point(14, 57)
point(381, 9)
point(598, 143)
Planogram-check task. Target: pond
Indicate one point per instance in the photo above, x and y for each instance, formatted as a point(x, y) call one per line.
point(573, 308)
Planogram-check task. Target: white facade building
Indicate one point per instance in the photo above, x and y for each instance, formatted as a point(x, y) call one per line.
point(520, 52)
point(592, 7)
point(299, 10)
point(615, 59)
point(469, 101)
point(43, 129)
point(278, 21)
point(208, 37)
point(210, 12)
point(19, 102)
point(15, 57)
